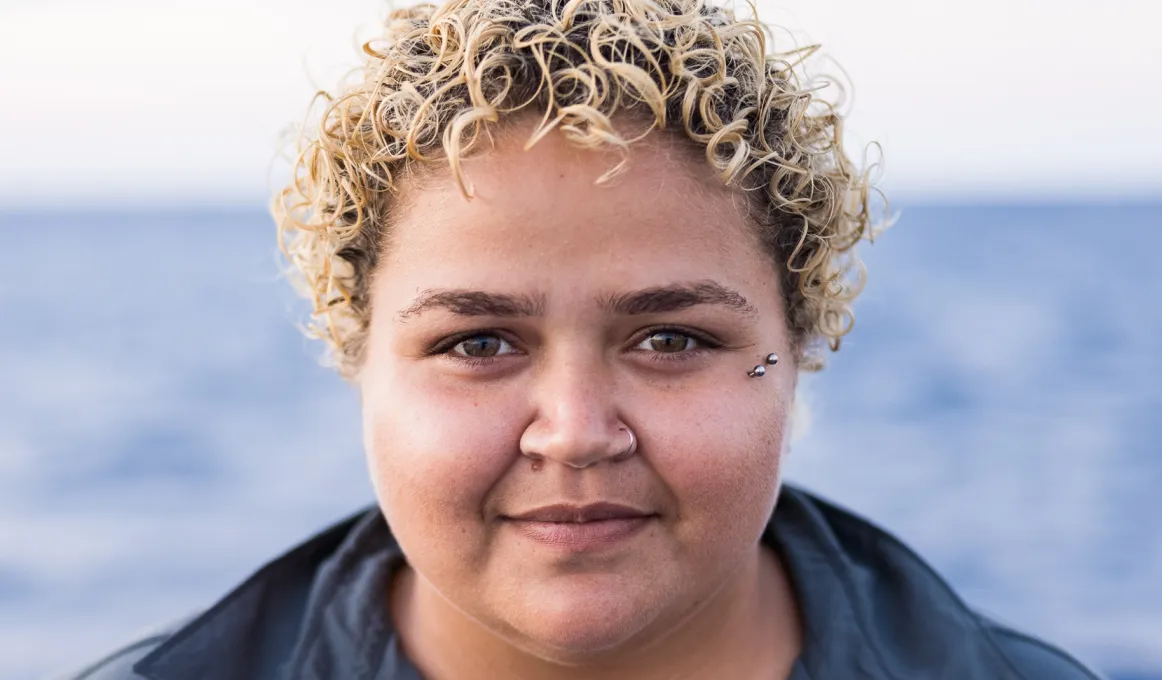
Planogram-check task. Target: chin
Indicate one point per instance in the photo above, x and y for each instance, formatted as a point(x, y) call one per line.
point(570, 626)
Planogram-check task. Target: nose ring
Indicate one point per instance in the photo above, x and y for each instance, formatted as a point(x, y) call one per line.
point(630, 448)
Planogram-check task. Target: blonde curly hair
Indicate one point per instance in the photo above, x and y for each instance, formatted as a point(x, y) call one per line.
point(440, 75)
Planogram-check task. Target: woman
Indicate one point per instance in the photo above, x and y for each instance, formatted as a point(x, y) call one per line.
point(574, 256)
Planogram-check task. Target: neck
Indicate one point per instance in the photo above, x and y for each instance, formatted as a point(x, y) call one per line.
point(748, 628)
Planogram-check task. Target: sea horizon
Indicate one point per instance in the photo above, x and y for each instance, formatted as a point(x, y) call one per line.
point(165, 429)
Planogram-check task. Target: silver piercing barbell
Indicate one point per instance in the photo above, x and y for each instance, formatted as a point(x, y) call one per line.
point(759, 371)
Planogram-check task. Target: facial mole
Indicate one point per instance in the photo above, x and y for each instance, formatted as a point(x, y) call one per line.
point(537, 464)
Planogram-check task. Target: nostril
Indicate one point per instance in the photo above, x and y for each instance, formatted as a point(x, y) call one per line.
point(576, 447)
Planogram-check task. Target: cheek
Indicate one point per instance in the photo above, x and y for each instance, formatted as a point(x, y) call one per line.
point(434, 452)
point(722, 465)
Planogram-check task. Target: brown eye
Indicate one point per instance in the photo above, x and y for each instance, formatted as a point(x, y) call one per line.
point(668, 342)
point(481, 347)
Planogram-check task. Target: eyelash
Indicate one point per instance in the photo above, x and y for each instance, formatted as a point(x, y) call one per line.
point(445, 347)
point(703, 341)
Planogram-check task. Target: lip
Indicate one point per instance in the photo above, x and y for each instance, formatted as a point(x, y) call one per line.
point(580, 528)
point(593, 512)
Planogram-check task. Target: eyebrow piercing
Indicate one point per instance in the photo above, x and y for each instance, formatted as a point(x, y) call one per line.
point(759, 371)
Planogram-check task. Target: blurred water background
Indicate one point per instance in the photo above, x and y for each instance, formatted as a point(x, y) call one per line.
point(164, 429)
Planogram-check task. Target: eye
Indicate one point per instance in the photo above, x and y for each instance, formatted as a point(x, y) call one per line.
point(669, 342)
point(482, 346)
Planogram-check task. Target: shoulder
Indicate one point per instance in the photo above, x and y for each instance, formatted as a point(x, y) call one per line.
point(1035, 659)
point(901, 609)
point(253, 626)
point(118, 664)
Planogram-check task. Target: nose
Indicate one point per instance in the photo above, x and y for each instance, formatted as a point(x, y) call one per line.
point(576, 421)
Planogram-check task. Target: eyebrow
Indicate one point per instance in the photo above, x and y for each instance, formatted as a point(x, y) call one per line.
point(655, 300)
point(474, 303)
point(678, 296)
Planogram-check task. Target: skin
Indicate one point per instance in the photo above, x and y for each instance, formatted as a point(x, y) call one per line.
point(475, 411)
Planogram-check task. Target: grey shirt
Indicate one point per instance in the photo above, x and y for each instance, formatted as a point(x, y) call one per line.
point(871, 610)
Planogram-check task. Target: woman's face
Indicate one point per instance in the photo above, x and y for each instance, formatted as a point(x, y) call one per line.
point(514, 335)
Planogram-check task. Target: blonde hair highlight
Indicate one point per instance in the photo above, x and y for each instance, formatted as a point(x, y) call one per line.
point(438, 76)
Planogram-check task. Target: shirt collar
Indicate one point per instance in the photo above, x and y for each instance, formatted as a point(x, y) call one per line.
point(871, 610)
point(834, 646)
point(247, 634)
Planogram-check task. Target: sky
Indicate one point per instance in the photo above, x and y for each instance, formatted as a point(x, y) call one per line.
point(126, 101)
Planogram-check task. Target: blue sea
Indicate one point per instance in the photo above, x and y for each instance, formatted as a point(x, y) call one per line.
point(164, 428)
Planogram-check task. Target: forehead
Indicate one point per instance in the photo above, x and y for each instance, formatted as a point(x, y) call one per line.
point(538, 217)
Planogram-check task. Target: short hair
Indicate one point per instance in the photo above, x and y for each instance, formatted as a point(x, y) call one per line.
point(439, 75)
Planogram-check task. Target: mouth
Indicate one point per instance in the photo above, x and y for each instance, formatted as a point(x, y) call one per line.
point(580, 528)
point(579, 514)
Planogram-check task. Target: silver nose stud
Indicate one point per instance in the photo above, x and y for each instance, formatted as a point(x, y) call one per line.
point(760, 370)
